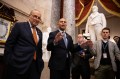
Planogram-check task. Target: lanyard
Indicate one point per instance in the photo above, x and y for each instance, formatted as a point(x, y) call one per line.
point(104, 46)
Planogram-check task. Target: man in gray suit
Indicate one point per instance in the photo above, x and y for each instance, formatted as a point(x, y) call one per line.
point(105, 53)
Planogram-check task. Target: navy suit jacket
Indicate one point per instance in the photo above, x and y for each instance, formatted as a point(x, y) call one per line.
point(59, 52)
point(20, 48)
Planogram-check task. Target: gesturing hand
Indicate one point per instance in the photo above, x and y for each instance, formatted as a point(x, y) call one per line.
point(58, 37)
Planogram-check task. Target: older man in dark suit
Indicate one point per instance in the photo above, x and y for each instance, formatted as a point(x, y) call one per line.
point(60, 44)
point(23, 49)
point(81, 66)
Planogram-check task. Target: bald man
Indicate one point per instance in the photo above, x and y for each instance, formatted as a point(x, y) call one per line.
point(60, 44)
point(23, 49)
point(81, 58)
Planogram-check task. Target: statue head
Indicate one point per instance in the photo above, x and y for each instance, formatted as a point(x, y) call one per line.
point(94, 9)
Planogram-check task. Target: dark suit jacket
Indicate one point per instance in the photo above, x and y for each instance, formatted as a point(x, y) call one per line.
point(80, 61)
point(20, 47)
point(59, 51)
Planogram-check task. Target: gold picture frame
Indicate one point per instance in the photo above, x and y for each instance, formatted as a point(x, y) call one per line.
point(5, 27)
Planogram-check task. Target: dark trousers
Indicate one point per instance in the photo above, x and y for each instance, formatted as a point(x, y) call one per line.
point(61, 74)
point(104, 72)
point(32, 73)
point(118, 69)
point(82, 70)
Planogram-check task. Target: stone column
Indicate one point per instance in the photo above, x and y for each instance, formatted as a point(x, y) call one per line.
point(69, 15)
point(55, 16)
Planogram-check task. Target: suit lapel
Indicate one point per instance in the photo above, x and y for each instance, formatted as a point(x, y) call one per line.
point(39, 35)
point(110, 49)
point(100, 48)
point(68, 40)
point(28, 30)
point(62, 44)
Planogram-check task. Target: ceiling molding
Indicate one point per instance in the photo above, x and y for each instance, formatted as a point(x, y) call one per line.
point(16, 9)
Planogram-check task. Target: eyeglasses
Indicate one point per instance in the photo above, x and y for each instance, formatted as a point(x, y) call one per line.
point(36, 17)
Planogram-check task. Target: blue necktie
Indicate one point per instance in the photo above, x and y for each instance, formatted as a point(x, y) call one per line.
point(65, 39)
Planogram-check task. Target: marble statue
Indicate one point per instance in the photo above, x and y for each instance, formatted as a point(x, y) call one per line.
point(95, 23)
point(46, 54)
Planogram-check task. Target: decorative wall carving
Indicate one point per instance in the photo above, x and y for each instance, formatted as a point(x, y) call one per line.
point(7, 18)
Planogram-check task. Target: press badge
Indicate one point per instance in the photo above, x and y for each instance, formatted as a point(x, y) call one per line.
point(104, 55)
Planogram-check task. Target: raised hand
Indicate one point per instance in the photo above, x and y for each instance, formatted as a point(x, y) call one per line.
point(58, 37)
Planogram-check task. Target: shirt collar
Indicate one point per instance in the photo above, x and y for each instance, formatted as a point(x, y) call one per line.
point(61, 31)
point(105, 41)
point(30, 24)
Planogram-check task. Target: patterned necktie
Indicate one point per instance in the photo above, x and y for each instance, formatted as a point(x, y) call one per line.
point(35, 39)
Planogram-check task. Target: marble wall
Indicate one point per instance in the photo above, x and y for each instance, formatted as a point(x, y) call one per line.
point(69, 15)
point(55, 13)
point(23, 8)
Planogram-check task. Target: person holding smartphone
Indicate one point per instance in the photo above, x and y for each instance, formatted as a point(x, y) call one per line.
point(81, 59)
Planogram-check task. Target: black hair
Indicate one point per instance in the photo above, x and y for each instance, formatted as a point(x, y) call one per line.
point(106, 28)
